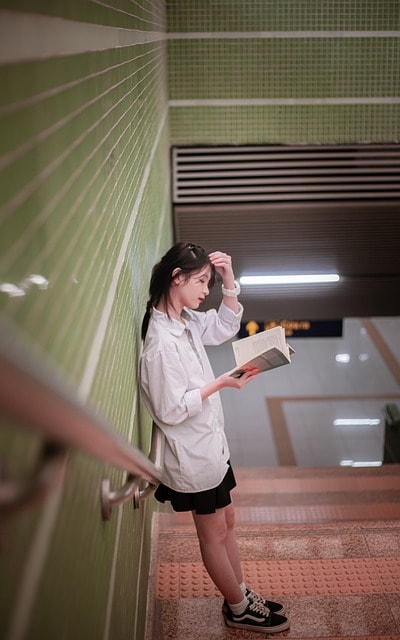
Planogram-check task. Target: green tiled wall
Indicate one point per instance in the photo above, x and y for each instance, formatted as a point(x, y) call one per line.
point(84, 201)
point(281, 15)
point(282, 125)
point(284, 72)
point(284, 68)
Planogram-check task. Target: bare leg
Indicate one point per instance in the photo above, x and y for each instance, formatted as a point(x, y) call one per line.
point(219, 551)
point(230, 544)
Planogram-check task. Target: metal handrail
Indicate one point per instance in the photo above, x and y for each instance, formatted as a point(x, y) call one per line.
point(33, 394)
point(132, 487)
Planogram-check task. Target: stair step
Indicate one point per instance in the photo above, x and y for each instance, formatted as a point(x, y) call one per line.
point(281, 578)
point(325, 542)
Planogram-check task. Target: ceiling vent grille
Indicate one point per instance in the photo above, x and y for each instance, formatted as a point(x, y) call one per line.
point(285, 173)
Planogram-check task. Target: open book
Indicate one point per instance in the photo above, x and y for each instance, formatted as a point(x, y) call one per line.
point(265, 350)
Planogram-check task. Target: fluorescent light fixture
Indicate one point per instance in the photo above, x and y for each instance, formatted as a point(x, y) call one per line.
point(343, 358)
point(290, 279)
point(362, 422)
point(367, 463)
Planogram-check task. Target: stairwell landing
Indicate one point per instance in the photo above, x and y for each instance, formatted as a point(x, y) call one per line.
point(323, 541)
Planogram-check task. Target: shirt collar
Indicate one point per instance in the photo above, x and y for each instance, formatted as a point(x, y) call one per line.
point(174, 326)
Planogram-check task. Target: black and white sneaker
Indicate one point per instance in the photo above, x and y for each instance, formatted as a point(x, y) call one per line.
point(253, 596)
point(257, 618)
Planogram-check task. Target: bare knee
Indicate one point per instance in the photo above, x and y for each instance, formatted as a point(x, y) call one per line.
point(211, 529)
point(230, 517)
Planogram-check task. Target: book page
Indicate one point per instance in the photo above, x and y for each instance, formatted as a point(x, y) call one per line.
point(248, 348)
point(271, 359)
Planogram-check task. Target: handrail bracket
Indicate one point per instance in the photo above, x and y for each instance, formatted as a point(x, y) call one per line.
point(110, 498)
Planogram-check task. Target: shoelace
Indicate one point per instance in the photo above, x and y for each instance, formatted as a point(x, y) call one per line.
point(253, 596)
point(258, 607)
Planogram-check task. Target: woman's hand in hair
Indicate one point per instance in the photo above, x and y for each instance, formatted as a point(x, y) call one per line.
point(223, 265)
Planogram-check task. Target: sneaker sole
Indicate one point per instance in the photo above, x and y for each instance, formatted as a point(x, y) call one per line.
point(258, 628)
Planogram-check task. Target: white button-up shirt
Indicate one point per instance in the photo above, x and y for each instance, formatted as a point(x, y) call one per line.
point(173, 367)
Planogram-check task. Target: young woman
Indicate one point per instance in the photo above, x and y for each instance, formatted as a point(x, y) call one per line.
point(181, 394)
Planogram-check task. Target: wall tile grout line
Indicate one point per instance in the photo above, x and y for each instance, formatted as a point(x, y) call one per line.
point(283, 102)
point(268, 35)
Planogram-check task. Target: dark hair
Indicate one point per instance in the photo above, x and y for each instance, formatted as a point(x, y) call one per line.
point(185, 256)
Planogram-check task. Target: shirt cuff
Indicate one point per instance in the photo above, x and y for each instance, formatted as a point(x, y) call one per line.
point(194, 402)
point(227, 313)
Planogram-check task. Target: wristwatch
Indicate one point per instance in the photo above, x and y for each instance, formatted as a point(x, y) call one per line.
point(231, 293)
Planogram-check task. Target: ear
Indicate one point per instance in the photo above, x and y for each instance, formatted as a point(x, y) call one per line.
point(177, 276)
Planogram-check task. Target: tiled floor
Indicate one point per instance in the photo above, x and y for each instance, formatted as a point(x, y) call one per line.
point(325, 542)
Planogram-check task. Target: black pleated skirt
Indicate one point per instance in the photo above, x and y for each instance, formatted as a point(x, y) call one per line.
point(202, 502)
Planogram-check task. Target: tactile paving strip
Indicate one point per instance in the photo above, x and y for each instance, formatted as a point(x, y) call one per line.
point(317, 513)
point(346, 576)
point(184, 580)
